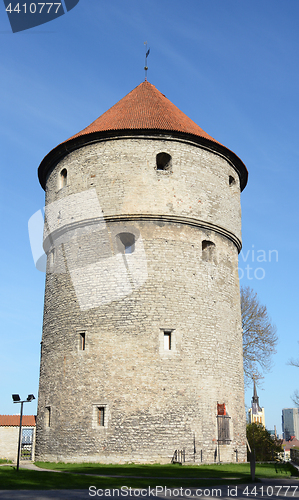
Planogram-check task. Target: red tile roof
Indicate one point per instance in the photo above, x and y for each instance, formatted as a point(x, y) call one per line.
point(145, 108)
point(288, 445)
point(14, 420)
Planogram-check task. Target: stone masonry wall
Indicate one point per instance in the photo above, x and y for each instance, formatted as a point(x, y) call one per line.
point(124, 174)
point(155, 400)
point(9, 439)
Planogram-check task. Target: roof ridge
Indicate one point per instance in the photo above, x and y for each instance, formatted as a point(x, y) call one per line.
point(14, 420)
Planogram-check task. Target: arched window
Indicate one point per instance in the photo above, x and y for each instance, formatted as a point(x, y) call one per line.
point(163, 161)
point(126, 242)
point(231, 180)
point(208, 250)
point(63, 178)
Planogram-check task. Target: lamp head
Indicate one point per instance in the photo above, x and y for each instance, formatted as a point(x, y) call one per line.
point(16, 398)
point(30, 397)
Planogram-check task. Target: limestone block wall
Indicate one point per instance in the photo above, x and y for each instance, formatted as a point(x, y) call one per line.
point(105, 353)
point(9, 439)
point(124, 174)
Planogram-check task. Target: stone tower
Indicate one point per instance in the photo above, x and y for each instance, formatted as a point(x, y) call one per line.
point(142, 342)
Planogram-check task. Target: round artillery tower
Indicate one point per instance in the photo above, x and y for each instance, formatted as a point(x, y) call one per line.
point(142, 344)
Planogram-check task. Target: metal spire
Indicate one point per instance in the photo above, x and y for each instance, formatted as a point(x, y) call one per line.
point(255, 399)
point(146, 56)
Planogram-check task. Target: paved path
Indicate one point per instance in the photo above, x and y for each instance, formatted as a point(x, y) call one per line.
point(278, 489)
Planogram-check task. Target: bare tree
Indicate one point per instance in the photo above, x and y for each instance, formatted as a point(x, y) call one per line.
point(295, 397)
point(259, 336)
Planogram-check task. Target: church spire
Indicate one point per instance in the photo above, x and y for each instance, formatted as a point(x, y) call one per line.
point(255, 400)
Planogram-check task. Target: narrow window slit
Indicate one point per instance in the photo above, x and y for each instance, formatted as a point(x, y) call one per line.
point(82, 341)
point(167, 341)
point(63, 178)
point(208, 250)
point(48, 416)
point(101, 416)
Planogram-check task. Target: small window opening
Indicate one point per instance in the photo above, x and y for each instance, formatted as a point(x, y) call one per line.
point(163, 161)
point(63, 178)
point(48, 416)
point(101, 416)
point(231, 180)
point(208, 250)
point(82, 341)
point(127, 242)
point(52, 256)
point(167, 341)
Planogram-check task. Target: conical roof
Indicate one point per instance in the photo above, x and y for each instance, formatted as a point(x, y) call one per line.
point(144, 110)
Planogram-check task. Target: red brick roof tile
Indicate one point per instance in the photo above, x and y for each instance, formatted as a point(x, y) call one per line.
point(144, 108)
point(14, 420)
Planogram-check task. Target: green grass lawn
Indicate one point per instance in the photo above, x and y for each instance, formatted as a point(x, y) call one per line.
point(174, 470)
point(171, 475)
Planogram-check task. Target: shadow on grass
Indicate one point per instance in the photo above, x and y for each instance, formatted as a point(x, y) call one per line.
point(24, 479)
point(174, 470)
point(78, 476)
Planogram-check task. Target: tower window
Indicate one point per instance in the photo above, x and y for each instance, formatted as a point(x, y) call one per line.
point(231, 180)
point(82, 341)
point(126, 242)
point(63, 178)
point(101, 416)
point(163, 161)
point(48, 416)
point(167, 341)
point(52, 256)
point(208, 250)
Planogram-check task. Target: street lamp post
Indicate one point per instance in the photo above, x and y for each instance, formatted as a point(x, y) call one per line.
point(16, 399)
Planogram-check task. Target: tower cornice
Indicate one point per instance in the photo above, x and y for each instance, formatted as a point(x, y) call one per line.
point(65, 232)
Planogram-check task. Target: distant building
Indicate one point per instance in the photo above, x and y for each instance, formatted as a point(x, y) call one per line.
point(256, 414)
point(9, 436)
point(287, 446)
point(290, 423)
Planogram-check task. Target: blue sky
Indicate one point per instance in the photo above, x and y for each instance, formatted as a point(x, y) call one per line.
point(229, 65)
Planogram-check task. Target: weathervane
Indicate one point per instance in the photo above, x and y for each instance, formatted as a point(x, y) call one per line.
point(146, 56)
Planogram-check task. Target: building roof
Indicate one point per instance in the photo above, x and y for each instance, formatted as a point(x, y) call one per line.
point(291, 443)
point(145, 110)
point(14, 420)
